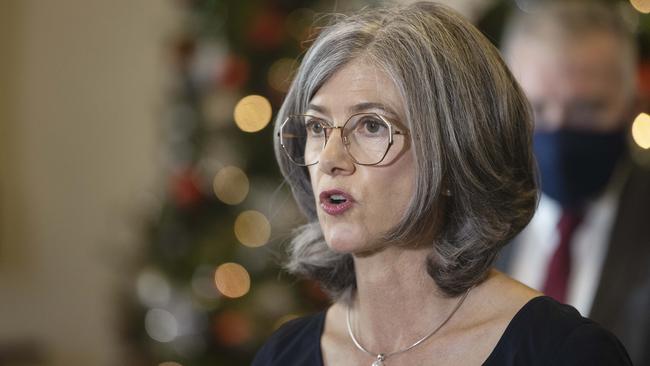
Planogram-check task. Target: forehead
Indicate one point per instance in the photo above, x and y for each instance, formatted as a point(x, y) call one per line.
point(358, 82)
point(593, 64)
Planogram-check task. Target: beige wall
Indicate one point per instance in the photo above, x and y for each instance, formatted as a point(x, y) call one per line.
point(81, 89)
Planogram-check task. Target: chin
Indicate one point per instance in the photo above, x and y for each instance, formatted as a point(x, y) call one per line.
point(344, 238)
point(350, 239)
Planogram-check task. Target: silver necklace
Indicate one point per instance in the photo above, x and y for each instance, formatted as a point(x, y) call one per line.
point(381, 357)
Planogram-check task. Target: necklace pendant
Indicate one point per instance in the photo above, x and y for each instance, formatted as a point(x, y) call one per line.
point(380, 360)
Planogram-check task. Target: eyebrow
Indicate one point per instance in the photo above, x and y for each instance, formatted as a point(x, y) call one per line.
point(357, 108)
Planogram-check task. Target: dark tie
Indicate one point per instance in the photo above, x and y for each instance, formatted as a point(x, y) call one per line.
point(559, 268)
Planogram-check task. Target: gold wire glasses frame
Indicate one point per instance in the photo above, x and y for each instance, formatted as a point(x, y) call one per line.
point(284, 135)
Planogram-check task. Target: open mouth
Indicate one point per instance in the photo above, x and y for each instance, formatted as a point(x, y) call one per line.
point(337, 199)
point(335, 202)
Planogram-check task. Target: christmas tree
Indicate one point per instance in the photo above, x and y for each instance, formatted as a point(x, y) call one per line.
point(208, 287)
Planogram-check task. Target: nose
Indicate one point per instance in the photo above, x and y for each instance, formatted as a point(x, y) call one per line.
point(334, 159)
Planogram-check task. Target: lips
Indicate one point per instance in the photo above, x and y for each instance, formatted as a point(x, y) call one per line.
point(335, 201)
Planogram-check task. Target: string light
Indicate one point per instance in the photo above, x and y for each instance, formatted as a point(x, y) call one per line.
point(252, 113)
point(281, 73)
point(252, 228)
point(161, 325)
point(152, 288)
point(232, 280)
point(642, 6)
point(641, 130)
point(231, 185)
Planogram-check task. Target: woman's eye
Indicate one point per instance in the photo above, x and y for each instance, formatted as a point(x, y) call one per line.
point(315, 127)
point(372, 126)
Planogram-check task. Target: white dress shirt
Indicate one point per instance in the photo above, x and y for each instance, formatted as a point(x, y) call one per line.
point(538, 241)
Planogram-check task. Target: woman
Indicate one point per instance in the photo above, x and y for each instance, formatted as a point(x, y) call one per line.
point(406, 142)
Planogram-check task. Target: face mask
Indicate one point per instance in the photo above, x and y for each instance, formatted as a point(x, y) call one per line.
point(576, 165)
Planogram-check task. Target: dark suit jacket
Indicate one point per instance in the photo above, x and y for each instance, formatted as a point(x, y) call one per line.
point(622, 301)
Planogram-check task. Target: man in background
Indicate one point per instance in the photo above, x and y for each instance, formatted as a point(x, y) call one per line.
point(589, 242)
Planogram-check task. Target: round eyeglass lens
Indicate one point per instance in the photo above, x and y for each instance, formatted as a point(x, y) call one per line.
point(303, 138)
point(368, 138)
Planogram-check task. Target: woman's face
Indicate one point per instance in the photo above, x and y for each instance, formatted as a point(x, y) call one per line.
point(357, 204)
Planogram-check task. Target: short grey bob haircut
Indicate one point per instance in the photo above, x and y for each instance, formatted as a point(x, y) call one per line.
point(470, 127)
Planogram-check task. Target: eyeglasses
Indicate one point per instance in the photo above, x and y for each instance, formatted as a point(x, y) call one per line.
point(367, 137)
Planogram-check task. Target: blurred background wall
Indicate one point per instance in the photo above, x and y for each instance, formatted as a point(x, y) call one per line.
point(82, 84)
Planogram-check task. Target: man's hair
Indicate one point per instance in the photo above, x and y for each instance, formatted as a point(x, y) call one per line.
point(470, 127)
point(570, 21)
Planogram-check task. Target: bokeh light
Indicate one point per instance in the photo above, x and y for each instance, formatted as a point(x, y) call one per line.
point(298, 23)
point(273, 299)
point(642, 6)
point(252, 113)
point(161, 325)
point(203, 283)
point(281, 73)
point(232, 328)
point(231, 185)
point(232, 280)
point(252, 228)
point(217, 107)
point(152, 288)
point(641, 130)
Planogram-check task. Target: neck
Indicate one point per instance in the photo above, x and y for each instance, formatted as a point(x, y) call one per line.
point(396, 302)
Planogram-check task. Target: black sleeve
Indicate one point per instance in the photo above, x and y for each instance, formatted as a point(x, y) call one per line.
point(592, 345)
point(296, 343)
point(264, 356)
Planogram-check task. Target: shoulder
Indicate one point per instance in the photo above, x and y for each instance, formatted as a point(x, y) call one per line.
point(296, 342)
point(547, 332)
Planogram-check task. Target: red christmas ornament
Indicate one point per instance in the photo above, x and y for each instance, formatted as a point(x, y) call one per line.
point(234, 72)
point(183, 52)
point(232, 328)
point(267, 31)
point(185, 188)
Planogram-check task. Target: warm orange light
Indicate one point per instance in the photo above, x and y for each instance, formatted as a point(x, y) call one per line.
point(232, 280)
point(233, 328)
point(217, 107)
point(281, 73)
point(252, 113)
point(641, 130)
point(231, 185)
point(642, 6)
point(252, 228)
point(299, 22)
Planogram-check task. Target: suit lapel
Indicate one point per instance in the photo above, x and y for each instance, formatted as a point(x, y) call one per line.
point(620, 296)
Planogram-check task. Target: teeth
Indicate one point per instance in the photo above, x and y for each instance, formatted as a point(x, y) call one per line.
point(337, 198)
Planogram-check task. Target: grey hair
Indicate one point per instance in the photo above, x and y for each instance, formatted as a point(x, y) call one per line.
point(570, 21)
point(475, 184)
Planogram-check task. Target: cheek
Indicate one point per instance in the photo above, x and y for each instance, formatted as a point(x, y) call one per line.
point(394, 191)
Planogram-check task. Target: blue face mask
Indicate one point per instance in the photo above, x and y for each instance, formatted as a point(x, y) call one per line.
point(575, 165)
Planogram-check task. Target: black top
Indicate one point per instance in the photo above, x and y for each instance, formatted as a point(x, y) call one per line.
point(543, 332)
